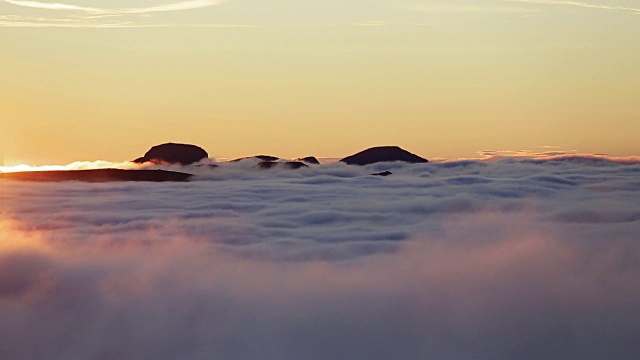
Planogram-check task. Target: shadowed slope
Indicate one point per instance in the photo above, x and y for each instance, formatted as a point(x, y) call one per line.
point(184, 154)
point(98, 175)
point(287, 165)
point(259, 157)
point(309, 160)
point(383, 153)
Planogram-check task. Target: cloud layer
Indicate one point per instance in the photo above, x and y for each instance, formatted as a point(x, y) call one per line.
point(527, 258)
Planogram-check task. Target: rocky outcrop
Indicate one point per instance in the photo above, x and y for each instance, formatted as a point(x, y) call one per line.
point(171, 153)
point(98, 175)
point(267, 165)
point(294, 165)
point(287, 165)
point(309, 160)
point(383, 153)
point(384, 173)
point(267, 158)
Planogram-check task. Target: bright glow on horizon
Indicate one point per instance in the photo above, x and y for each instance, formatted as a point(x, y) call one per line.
point(483, 156)
point(78, 165)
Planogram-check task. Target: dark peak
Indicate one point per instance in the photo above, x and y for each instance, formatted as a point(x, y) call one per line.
point(259, 157)
point(173, 153)
point(266, 165)
point(287, 165)
point(309, 160)
point(267, 157)
point(384, 173)
point(381, 154)
point(294, 164)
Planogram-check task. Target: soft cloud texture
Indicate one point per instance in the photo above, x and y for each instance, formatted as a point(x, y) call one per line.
point(95, 14)
point(583, 4)
point(101, 17)
point(520, 258)
point(176, 6)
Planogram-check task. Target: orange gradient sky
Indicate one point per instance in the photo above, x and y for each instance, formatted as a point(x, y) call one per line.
point(88, 80)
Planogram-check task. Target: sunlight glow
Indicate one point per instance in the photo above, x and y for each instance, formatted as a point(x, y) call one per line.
point(78, 165)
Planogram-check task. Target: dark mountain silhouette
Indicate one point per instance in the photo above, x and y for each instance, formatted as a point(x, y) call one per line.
point(383, 153)
point(98, 175)
point(267, 165)
point(309, 160)
point(384, 173)
point(288, 165)
point(294, 164)
point(172, 153)
point(259, 157)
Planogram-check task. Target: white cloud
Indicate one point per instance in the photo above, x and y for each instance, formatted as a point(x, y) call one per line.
point(468, 9)
point(496, 7)
point(577, 4)
point(56, 6)
point(371, 23)
point(530, 258)
point(183, 5)
point(93, 17)
point(87, 23)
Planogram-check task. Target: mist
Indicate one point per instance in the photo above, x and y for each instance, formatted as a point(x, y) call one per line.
point(519, 258)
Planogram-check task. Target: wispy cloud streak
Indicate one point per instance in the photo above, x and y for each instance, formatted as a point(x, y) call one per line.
point(15, 22)
point(495, 8)
point(370, 23)
point(184, 5)
point(468, 9)
point(90, 17)
point(577, 4)
point(57, 6)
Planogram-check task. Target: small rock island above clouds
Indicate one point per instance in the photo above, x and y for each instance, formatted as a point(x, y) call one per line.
point(186, 154)
point(381, 154)
point(173, 153)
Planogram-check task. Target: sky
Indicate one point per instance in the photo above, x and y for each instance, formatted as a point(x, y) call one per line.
point(520, 258)
point(85, 80)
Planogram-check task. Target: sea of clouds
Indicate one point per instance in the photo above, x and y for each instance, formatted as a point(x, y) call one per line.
point(514, 259)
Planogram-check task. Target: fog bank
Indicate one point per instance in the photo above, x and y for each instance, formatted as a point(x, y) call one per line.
point(458, 260)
